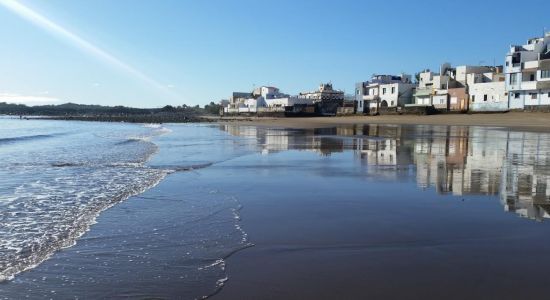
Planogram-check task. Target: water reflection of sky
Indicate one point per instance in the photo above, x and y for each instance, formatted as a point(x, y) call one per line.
point(452, 160)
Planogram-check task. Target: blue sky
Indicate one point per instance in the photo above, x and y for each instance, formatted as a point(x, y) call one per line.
point(150, 53)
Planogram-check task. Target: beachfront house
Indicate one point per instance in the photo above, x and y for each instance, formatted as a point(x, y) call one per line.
point(237, 99)
point(487, 91)
point(448, 90)
point(459, 99)
point(236, 102)
point(273, 99)
point(433, 88)
point(528, 75)
point(383, 92)
point(263, 99)
point(325, 93)
point(326, 99)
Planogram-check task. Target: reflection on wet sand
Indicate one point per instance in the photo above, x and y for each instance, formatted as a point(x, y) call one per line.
point(453, 160)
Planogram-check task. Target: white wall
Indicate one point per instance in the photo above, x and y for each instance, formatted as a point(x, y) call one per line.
point(396, 94)
point(497, 100)
point(287, 101)
point(541, 97)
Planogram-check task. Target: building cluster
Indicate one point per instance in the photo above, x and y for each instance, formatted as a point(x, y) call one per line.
point(523, 83)
point(267, 99)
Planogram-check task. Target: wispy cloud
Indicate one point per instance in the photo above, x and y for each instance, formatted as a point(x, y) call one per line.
point(84, 45)
point(39, 99)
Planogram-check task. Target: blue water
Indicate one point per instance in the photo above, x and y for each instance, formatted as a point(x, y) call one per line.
point(110, 210)
point(57, 177)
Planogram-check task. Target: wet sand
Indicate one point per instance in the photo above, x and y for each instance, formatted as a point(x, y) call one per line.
point(517, 120)
point(338, 227)
point(378, 212)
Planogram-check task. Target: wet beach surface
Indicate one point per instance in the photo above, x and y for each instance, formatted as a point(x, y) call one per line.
point(358, 211)
point(414, 212)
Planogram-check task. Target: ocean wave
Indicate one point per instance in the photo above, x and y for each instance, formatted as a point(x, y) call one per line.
point(25, 138)
point(63, 189)
point(46, 218)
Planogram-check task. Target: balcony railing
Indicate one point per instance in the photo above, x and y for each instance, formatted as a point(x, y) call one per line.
point(531, 64)
point(371, 97)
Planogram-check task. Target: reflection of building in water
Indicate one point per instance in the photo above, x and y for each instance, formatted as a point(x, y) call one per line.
point(526, 175)
point(383, 151)
point(451, 159)
point(322, 141)
point(459, 160)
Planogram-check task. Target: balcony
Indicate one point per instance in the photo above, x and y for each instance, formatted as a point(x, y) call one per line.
point(514, 68)
point(371, 97)
point(423, 92)
point(531, 65)
point(528, 85)
point(514, 87)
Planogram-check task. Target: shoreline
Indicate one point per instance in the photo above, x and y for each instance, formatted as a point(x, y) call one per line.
point(519, 121)
point(526, 121)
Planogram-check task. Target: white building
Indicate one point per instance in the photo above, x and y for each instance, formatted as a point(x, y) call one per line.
point(265, 98)
point(487, 92)
point(237, 100)
point(433, 88)
point(383, 91)
point(528, 75)
point(268, 92)
point(324, 93)
point(287, 101)
point(448, 90)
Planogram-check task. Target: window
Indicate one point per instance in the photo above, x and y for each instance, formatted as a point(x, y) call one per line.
point(507, 64)
point(473, 98)
point(513, 78)
point(545, 74)
point(533, 96)
point(383, 91)
point(517, 95)
point(367, 91)
point(484, 97)
point(392, 103)
point(393, 90)
point(532, 77)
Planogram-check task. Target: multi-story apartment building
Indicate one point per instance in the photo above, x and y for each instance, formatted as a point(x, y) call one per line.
point(528, 75)
point(383, 91)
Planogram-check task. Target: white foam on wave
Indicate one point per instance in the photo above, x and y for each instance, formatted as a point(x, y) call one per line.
point(52, 224)
point(42, 216)
point(152, 125)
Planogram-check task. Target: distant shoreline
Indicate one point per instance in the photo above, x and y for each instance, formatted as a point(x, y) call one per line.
point(528, 121)
point(157, 119)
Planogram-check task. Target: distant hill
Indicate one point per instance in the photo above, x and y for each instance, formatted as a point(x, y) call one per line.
point(74, 111)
